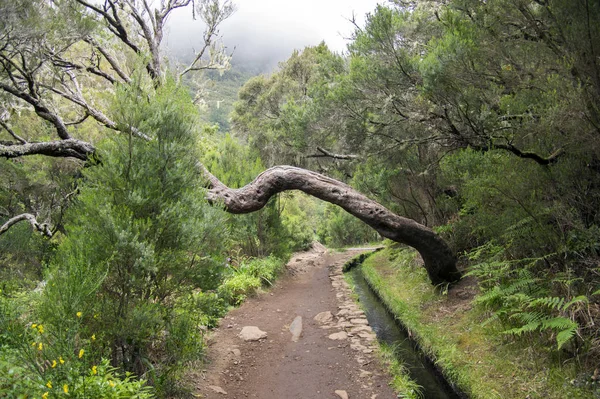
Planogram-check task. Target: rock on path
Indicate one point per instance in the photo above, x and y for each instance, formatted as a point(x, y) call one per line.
point(316, 297)
point(252, 333)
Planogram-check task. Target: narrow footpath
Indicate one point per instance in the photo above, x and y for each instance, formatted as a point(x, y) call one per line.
point(310, 340)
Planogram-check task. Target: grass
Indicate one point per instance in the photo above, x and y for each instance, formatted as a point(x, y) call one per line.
point(478, 358)
point(401, 382)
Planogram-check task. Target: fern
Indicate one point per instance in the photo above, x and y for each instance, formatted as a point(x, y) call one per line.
point(577, 299)
point(552, 302)
point(532, 322)
point(565, 336)
point(536, 321)
point(559, 323)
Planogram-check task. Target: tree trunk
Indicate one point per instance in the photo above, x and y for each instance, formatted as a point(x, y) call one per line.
point(440, 261)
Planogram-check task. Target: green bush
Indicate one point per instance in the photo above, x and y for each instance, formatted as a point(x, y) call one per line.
point(248, 276)
point(56, 379)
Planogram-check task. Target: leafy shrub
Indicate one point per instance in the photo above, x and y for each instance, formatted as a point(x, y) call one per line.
point(236, 288)
point(248, 275)
point(49, 381)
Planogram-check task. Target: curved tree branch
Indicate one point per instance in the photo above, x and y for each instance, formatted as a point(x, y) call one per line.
point(440, 261)
point(41, 227)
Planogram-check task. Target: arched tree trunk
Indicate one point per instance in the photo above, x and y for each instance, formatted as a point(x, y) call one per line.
point(440, 261)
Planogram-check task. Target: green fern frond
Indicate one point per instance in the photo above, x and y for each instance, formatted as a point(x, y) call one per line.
point(565, 336)
point(529, 327)
point(577, 299)
point(528, 317)
point(519, 284)
point(552, 302)
point(559, 324)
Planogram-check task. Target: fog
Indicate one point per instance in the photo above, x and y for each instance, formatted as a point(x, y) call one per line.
point(265, 32)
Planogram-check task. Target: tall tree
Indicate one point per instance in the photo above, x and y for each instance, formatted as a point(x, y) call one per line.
point(45, 76)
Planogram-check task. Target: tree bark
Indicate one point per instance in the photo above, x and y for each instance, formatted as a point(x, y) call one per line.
point(440, 261)
point(59, 148)
point(41, 227)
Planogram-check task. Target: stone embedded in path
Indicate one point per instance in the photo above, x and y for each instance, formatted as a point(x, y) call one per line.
point(338, 336)
point(252, 333)
point(296, 328)
point(324, 317)
point(217, 389)
point(236, 352)
point(342, 394)
point(364, 373)
point(358, 329)
point(359, 321)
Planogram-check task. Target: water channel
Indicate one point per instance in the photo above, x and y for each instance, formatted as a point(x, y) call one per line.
point(389, 331)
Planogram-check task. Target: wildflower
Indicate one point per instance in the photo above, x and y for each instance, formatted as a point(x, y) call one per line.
point(112, 384)
point(49, 384)
point(45, 395)
point(33, 344)
point(81, 352)
point(40, 346)
point(79, 314)
point(93, 337)
point(66, 388)
point(94, 370)
point(53, 363)
point(40, 329)
point(33, 325)
point(60, 359)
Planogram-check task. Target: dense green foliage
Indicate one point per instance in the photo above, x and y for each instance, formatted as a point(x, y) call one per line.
point(477, 118)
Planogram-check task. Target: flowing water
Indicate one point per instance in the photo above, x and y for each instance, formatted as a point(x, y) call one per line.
point(390, 332)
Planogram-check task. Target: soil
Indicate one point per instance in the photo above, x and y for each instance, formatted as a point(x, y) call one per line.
point(315, 366)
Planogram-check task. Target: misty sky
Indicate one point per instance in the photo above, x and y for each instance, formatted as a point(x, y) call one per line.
point(267, 31)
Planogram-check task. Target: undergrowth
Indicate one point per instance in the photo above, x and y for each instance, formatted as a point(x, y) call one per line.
point(247, 276)
point(478, 353)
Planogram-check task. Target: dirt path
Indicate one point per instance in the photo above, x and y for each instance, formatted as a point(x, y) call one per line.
point(317, 365)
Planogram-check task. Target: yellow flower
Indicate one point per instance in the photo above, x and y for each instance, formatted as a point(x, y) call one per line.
point(53, 363)
point(49, 384)
point(93, 337)
point(81, 352)
point(40, 346)
point(33, 343)
point(66, 388)
point(40, 329)
point(60, 359)
point(45, 395)
point(33, 325)
point(112, 384)
point(94, 370)
point(79, 314)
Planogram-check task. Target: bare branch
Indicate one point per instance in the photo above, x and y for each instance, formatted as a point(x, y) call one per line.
point(109, 58)
point(213, 14)
point(12, 133)
point(61, 148)
point(78, 121)
point(41, 227)
point(327, 154)
point(41, 110)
